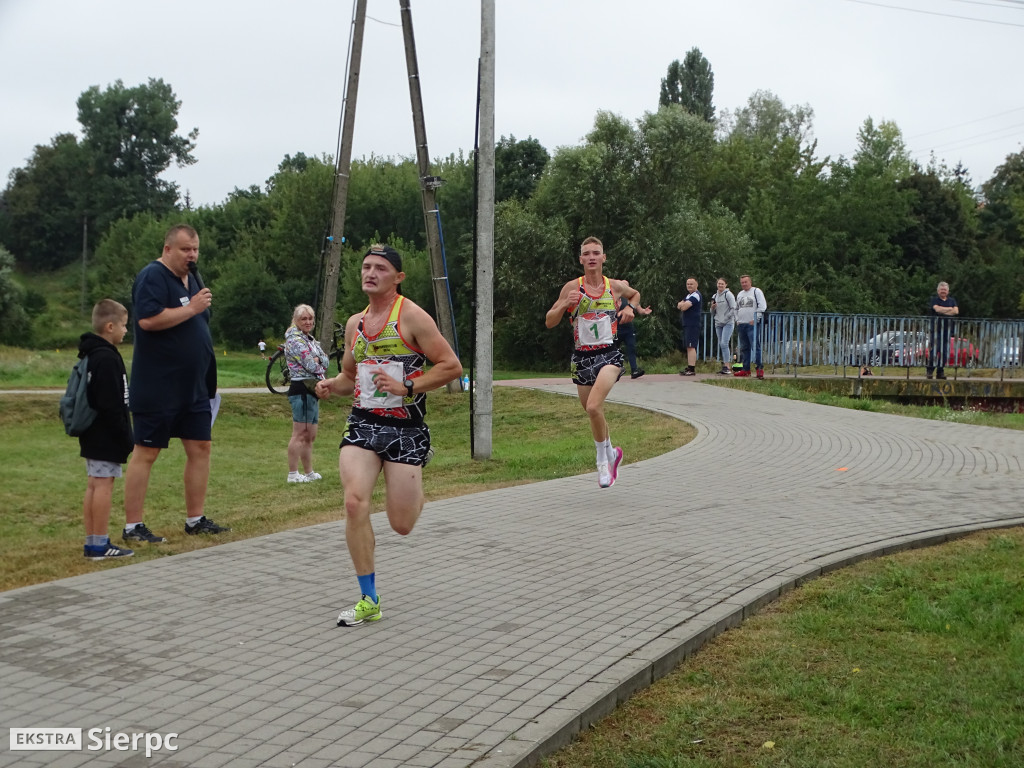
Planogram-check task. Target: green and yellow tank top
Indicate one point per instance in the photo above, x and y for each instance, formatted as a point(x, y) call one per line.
point(387, 352)
point(594, 322)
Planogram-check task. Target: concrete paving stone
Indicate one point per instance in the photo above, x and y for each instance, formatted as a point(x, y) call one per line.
point(297, 758)
point(220, 759)
point(422, 738)
point(426, 758)
point(343, 756)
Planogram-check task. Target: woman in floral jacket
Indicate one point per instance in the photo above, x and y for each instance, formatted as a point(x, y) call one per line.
point(307, 364)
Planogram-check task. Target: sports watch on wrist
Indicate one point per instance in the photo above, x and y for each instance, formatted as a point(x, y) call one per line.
point(408, 386)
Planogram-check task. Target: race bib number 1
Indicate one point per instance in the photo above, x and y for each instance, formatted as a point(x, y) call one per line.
point(595, 330)
point(369, 396)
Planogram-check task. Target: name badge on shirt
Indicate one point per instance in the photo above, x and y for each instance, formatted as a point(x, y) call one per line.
point(594, 329)
point(369, 396)
point(185, 301)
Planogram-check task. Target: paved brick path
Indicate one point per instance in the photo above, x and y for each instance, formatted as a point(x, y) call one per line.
point(570, 597)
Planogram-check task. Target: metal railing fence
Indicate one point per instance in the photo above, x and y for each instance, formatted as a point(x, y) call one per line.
point(793, 340)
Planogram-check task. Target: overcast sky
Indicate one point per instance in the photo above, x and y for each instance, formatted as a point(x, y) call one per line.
point(265, 78)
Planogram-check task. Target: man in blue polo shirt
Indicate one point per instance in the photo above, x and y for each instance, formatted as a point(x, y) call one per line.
point(690, 307)
point(174, 377)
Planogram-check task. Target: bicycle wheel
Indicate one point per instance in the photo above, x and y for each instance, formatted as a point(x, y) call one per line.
point(278, 377)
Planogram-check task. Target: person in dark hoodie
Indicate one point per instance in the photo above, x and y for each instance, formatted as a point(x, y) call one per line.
point(105, 445)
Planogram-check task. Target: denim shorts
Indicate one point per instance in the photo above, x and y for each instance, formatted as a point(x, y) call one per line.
point(305, 408)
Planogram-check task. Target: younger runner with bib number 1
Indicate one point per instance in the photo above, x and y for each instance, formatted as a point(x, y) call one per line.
point(591, 303)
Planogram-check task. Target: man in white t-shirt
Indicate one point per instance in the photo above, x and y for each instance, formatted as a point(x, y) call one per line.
point(750, 309)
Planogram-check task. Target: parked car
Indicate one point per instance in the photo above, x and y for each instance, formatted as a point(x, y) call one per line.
point(963, 353)
point(1007, 353)
point(890, 348)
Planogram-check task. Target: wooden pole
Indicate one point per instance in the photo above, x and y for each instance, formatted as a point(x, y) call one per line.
point(428, 184)
point(343, 165)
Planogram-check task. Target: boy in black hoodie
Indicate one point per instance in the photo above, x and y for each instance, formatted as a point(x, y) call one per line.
point(107, 443)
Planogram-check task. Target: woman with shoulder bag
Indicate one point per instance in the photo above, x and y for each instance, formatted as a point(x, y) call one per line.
point(723, 306)
point(307, 364)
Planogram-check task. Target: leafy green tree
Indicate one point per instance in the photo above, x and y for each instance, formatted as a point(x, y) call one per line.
point(128, 139)
point(765, 149)
point(1003, 213)
point(766, 117)
point(131, 137)
point(533, 257)
point(1001, 223)
point(127, 247)
point(250, 303)
point(691, 85)
point(15, 326)
point(938, 229)
point(42, 208)
point(385, 197)
point(518, 166)
point(299, 198)
point(881, 150)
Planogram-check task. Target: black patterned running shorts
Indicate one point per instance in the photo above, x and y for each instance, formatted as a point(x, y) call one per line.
point(586, 365)
point(398, 444)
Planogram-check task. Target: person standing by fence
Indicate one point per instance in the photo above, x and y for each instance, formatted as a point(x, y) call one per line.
point(943, 309)
point(723, 305)
point(750, 309)
point(627, 335)
point(690, 309)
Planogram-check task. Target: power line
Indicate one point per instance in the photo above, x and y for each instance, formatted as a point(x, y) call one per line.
point(381, 21)
point(978, 138)
point(935, 13)
point(961, 125)
point(1018, 5)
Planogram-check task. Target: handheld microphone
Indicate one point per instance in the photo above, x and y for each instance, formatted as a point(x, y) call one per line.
point(195, 273)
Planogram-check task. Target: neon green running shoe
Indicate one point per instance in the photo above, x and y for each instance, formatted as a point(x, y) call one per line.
point(365, 610)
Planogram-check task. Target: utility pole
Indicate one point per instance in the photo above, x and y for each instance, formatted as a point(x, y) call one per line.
point(428, 183)
point(85, 260)
point(483, 365)
point(343, 165)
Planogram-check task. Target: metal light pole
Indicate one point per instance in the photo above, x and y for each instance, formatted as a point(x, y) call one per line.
point(483, 388)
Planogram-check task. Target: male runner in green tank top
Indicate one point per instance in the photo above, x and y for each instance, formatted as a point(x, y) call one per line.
point(592, 303)
point(386, 346)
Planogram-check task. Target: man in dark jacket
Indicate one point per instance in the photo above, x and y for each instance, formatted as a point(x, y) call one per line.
point(105, 445)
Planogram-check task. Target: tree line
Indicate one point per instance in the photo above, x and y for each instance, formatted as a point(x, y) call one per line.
point(677, 192)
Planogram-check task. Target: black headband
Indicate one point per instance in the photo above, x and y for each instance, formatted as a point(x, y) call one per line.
point(389, 253)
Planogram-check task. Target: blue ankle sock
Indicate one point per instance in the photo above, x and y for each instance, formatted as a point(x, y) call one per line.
point(368, 585)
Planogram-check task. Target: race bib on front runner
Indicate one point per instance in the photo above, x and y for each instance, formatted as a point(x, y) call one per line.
point(369, 396)
point(594, 330)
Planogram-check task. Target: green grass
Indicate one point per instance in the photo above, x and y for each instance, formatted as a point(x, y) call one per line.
point(49, 368)
point(908, 661)
point(44, 479)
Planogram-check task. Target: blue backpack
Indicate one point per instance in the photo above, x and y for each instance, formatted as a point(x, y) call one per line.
point(75, 411)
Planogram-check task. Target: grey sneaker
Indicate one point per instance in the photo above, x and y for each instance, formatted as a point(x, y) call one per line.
point(205, 525)
point(141, 533)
